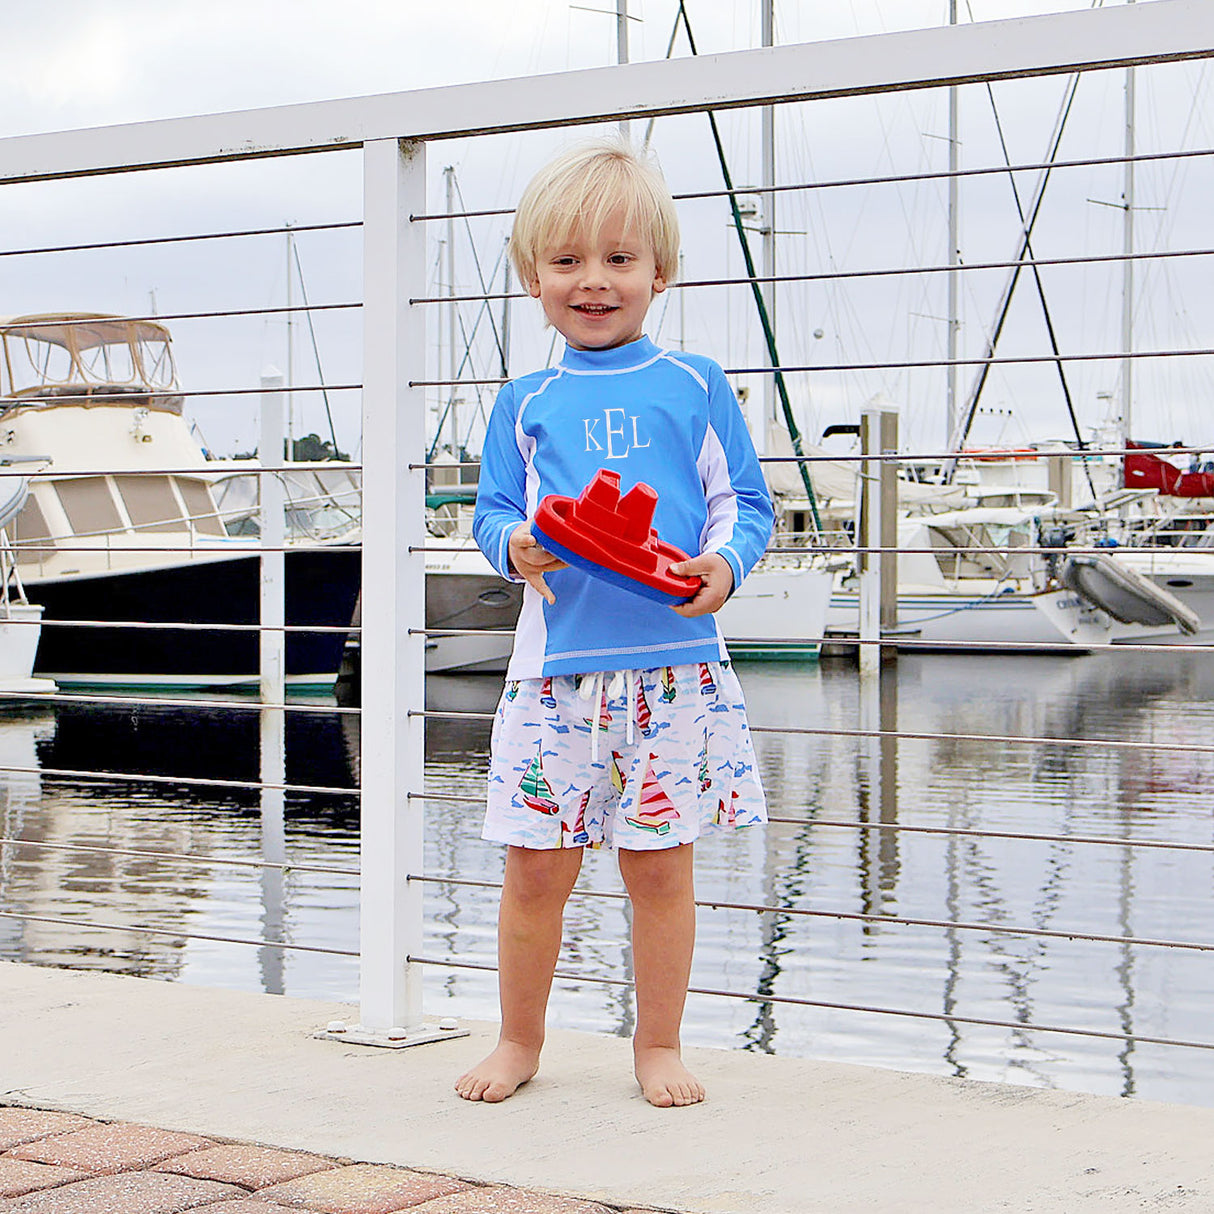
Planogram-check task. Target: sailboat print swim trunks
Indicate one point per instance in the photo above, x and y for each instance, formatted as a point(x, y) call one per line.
point(635, 759)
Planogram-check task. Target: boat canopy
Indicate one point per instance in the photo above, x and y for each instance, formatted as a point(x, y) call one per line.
point(85, 355)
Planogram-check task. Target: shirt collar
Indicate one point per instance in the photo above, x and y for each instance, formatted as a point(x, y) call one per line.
point(618, 358)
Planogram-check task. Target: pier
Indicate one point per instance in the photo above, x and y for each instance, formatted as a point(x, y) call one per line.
point(777, 1135)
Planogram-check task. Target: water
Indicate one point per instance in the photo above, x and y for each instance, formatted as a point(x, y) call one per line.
point(1063, 788)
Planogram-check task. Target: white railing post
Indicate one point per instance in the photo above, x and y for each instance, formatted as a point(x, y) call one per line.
point(272, 646)
point(271, 496)
point(393, 587)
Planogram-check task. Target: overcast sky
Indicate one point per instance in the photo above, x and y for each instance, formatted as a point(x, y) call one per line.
point(95, 63)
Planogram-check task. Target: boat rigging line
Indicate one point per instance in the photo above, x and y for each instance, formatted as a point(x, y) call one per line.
point(1045, 307)
point(1025, 249)
point(769, 337)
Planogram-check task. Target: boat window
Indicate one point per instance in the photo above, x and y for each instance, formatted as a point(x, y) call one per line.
point(109, 362)
point(200, 507)
point(157, 361)
point(89, 506)
point(29, 533)
point(36, 362)
point(150, 502)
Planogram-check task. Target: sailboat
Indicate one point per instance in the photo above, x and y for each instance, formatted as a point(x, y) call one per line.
point(644, 717)
point(656, 811)
point(537, 792)
point(960, 578)
point(579, 836)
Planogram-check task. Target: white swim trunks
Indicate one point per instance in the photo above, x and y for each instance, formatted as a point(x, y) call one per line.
point(637, 759)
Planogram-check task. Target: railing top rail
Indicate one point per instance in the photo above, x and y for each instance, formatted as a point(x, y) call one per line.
point(1126, 35)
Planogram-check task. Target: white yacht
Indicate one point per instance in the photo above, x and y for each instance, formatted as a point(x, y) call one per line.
point(122, 526)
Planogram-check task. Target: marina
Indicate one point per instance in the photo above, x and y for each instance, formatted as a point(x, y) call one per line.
point(244, 743)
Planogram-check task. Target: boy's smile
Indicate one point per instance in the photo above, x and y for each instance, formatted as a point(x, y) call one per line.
point(596, 289)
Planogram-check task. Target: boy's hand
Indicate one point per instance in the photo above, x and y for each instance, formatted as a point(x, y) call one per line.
point(716, 581)
point(531, 561)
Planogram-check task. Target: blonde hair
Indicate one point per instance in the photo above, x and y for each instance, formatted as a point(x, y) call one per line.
point(580, 190)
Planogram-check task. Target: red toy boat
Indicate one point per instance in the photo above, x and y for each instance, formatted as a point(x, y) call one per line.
point(612, 538)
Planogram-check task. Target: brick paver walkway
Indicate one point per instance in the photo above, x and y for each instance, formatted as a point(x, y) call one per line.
point(59, 1163)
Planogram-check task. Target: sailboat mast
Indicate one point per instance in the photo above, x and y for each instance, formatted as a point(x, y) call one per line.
point(767, 176)
point(1127, 279)
point(621, 52)
point(954, 252)
point(452, 314)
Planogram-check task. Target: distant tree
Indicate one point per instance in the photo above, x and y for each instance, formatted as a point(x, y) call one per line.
point(310, 447)
point(313, 447)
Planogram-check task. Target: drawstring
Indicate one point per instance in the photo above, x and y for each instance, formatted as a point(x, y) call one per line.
point(591, 688)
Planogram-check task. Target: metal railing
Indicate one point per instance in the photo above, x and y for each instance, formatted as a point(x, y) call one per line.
point(394, 134)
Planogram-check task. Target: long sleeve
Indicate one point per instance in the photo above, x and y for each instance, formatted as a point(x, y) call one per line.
point(501, 493)
point(740, 512)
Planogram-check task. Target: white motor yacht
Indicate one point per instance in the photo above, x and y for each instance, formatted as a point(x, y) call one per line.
point(121, 525)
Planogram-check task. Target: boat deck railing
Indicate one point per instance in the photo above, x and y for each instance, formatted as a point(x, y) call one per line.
point(396, 137)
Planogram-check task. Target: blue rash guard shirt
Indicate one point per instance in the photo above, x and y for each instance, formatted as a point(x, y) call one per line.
point(667, 418)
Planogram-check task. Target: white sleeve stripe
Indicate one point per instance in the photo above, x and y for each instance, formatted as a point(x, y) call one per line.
point(503, 563)
point(718, 492)
point(526, 445)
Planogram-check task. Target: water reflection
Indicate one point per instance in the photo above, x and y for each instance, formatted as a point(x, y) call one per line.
point(1064, 787)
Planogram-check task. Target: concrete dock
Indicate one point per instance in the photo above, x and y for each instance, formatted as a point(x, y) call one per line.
point(777, 1135)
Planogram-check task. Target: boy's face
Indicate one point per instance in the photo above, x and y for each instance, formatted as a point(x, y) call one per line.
point(596, 290)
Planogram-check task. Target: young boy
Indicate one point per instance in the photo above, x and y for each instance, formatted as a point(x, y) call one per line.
point(622, 723)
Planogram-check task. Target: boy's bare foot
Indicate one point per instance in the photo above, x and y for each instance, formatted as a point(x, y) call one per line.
point(501, 1074)
point(664, 1080)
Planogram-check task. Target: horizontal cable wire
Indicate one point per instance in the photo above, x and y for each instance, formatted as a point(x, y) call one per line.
point(176, 935)
point(1081, 453)
point(201, 542)
point(60, 697)
point(161, 317)
point(220, 548)
point(936, 175)
point(1017, 739)
point(993, 361)
point(815, 549)
point(823, 732)
point(187, 626)
point(175, 393)
point(909, 365)
point(856, 916)
point(224, 861)
point(55, 774)
point(789, 1000)
point(900, 828)
point(1025, 455)
point(967, 832)
point(499, 633)
point(843, 275)
point(207, 471)
point(899, 641)
point(157, 240)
